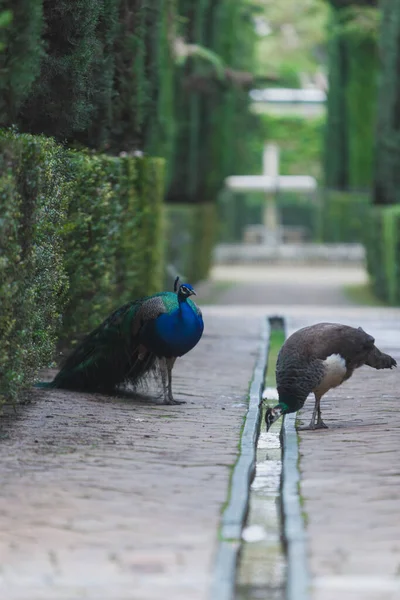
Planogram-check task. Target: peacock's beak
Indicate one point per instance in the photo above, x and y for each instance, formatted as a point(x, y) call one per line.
point(193, 293)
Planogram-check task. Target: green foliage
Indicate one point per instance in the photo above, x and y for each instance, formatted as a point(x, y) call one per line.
point(160, 121)
point(291, 39)
point(361, 109)
point(343, 216)
point(387, 146)
point(21, 52)
point(106, 75)
point(299, 140)
point(383, 253)
point(70, 218)
point(6, 18)
point(101, 87)
point(336, 135)
point(361, 22)
point(61, 101)
point(113, 236)
point(353, 68)
point(148, 211)
point(90, 240)
point(33, 198)
point(213, 121)
point(190, 237)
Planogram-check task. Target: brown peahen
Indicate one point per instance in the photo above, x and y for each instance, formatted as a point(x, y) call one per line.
point(318, 358)
point(127, 345)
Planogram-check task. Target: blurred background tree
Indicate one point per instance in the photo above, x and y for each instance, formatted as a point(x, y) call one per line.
point(172, 79)
point(387, 176)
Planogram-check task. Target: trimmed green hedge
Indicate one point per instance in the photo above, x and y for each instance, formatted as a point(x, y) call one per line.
point(113, 236)
point(33, 282)
point(190, 239)
point(343, 216)
point(383, 252)
point(89, 222)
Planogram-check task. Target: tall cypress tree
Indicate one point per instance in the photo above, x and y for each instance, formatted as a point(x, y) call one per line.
point(61, 101)
point(352, 56)
point(20, 56)
point(387, 156)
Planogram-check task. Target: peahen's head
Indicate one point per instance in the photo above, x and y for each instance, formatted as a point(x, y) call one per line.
point(185, 291)
point(273, 413)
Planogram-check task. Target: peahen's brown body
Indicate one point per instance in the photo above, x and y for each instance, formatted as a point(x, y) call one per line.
point(318, 358)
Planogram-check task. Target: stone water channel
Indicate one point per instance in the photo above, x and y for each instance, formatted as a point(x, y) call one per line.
point(261, 573)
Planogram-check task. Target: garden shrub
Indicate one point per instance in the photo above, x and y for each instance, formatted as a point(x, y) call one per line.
point(344, 216)
point(33, 197)
point(383, 252)
point(80, 234)
point(89, 238)
point(113, 236)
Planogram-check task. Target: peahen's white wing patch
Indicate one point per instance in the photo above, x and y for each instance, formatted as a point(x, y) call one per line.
point(335, 372)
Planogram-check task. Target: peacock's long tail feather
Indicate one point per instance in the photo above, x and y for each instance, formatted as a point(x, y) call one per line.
point(125, 347)
point(108, 357)
point(45, 384)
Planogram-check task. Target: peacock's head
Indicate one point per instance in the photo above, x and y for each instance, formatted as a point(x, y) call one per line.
point(185, 291)
point(272, 414)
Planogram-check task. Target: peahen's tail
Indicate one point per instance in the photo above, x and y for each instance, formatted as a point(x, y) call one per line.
point(380, 360)
point(45, 384)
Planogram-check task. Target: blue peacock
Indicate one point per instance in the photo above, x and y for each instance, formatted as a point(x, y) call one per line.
point(130, 342)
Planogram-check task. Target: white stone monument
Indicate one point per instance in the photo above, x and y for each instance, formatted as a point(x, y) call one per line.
point(271, 182)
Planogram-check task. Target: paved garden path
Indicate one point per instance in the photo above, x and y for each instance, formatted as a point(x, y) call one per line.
point(350, 473)
point(120, 498)
point(113, 499)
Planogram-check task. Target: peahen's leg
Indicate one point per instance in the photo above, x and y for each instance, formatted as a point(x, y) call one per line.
point(314, 414)
point(317, 410)
point(320, 424)
point(170, 363)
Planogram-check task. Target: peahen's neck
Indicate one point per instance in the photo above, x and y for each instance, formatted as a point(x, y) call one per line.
point(290, 402)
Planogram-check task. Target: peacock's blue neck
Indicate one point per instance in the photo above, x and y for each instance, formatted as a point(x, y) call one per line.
point(176, 332)
point(182, 302)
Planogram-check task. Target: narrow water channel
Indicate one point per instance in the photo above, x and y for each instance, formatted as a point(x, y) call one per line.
point(262, 562)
